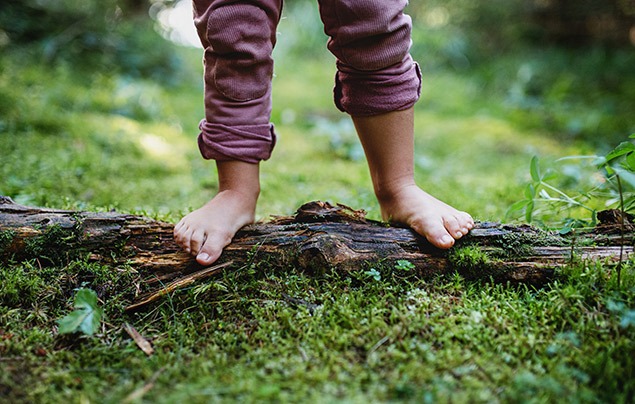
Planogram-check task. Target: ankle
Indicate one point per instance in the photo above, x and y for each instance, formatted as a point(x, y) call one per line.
point(389, 192)
point(239, 179)
point(240, 195)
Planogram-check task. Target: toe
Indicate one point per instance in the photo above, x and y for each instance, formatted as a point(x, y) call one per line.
point(206, 259)
point(466, 219)
point(182, 238)
point(453, 227)
point(435, 233)
point(210, 251)
point(196, 241)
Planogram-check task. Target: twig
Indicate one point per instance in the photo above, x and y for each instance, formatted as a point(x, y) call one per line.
point(300, 302)
point(178, 284)
point(378, 344)
point(140, 392)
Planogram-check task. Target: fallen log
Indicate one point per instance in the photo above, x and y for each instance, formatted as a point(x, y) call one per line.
point(319, 237)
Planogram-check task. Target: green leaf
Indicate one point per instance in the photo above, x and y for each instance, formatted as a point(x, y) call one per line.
point(534, 169)
point(626, 176)
point(373, 273)
point(628, 319)
point(530, 191)
point(404, 265)
point(518, 205)
point(529, 211)
point(549, 175)
point(622, 149)
point(86, 317)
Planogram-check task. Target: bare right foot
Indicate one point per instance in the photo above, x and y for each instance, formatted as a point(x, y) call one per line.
point(206, 231)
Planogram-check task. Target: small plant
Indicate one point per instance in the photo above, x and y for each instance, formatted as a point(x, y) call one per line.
point(541, 191)
point(622, 311)
point(404, 265)
point(86, 318)
point(374, 274)
point(614, 188)
point(6, 238)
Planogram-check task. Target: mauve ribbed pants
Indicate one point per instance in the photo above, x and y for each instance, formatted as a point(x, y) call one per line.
point(369, 38)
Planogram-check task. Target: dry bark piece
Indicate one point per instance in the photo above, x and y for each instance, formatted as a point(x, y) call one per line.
point(141, 342)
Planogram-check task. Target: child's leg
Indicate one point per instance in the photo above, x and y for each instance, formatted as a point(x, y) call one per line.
point(378, 83)
point(238, 37)
point(388, 141)
point(206, 231)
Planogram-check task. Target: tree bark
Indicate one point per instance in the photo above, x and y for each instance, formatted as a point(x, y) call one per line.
point(317, 238)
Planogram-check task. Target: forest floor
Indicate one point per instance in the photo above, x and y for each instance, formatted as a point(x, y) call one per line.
point(103, 141)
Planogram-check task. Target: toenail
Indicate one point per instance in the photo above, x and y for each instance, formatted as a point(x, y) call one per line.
point(447, 240)
point(203, 256)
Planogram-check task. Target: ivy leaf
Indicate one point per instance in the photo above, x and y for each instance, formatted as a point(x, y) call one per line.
point(86, 317)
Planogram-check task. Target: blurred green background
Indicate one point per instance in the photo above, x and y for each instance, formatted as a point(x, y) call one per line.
point(99, 110)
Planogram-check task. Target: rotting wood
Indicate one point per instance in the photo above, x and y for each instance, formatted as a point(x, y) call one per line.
point(319, 237)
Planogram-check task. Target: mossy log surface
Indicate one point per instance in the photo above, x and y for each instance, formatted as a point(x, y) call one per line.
point(319, 237)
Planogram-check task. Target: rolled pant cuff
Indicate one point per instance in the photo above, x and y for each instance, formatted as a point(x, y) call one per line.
point(248, 143)
point(364, 94)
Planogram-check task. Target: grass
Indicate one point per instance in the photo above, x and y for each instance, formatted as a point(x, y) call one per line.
point(240, 338)
point(100, 141)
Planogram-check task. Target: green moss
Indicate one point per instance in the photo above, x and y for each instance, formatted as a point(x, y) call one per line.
point(6, 238)
point(55, 245)
point(521, 242)
point(470, 259)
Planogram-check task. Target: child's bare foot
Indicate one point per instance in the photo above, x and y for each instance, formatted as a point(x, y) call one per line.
point(388, 141)
point(206, 231)
point(437, 221)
